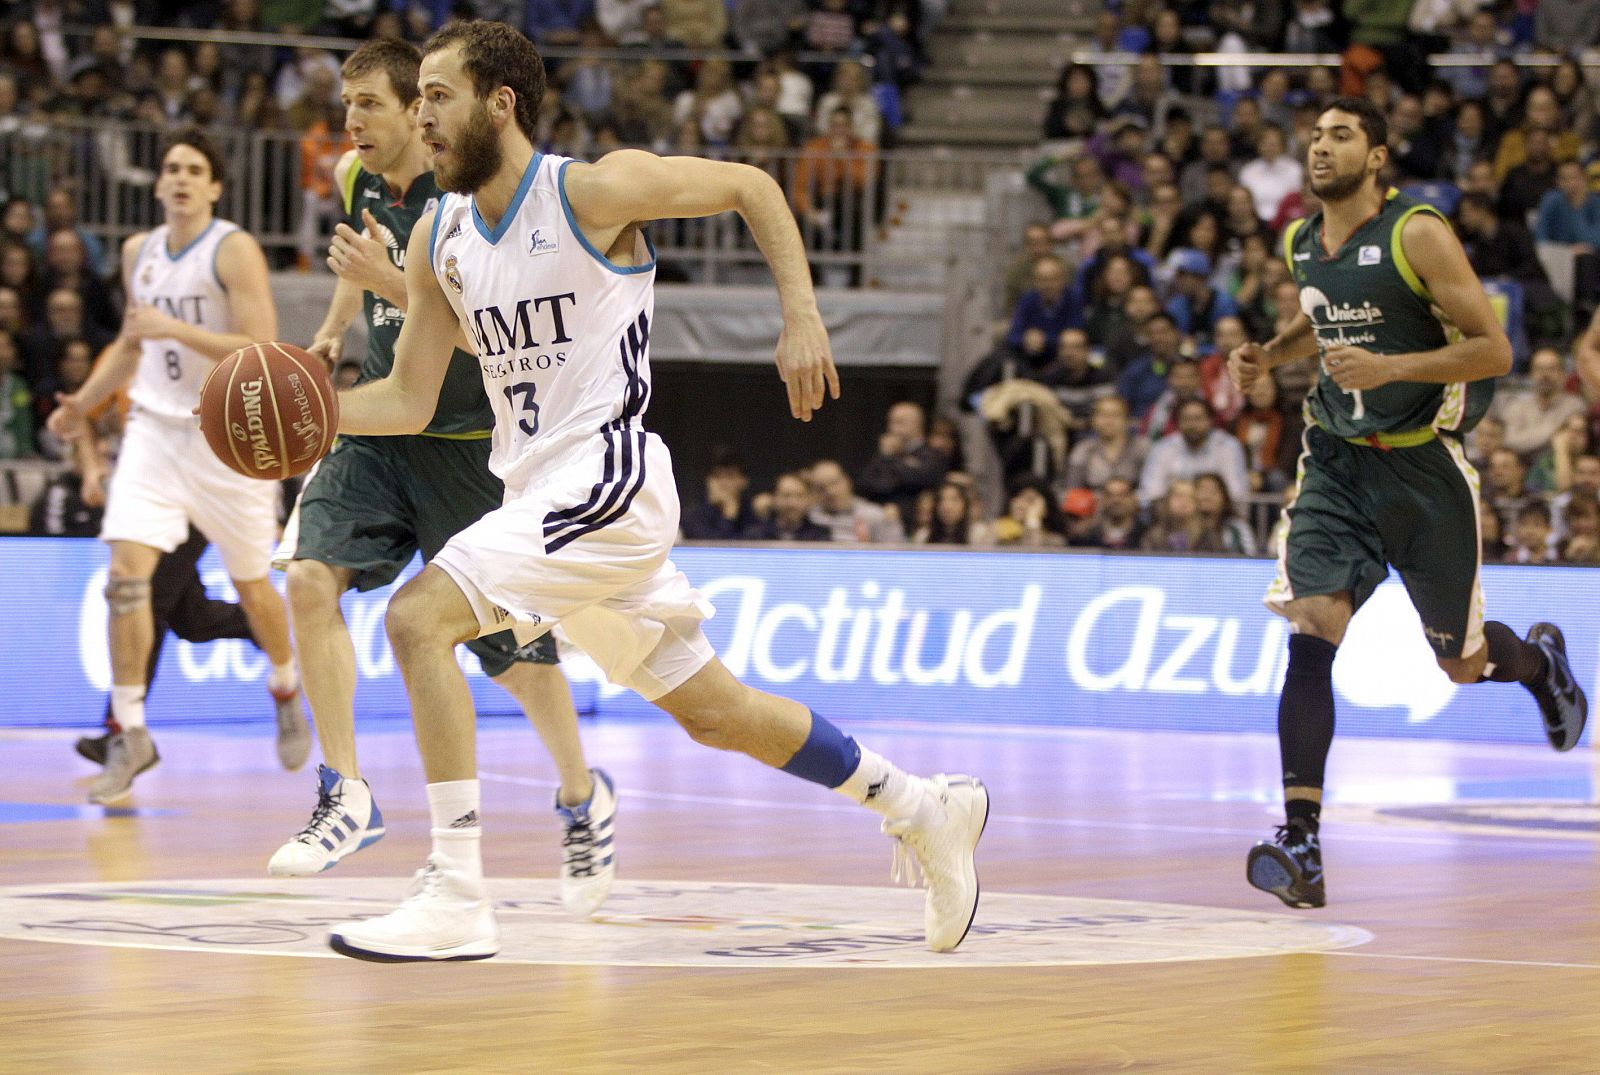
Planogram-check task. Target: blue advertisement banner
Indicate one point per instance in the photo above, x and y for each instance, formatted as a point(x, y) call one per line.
point(1017, 638)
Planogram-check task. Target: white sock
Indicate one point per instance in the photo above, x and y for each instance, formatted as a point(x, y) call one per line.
point(878, 784)
point(283, 679)
point(127, 706)
point(453, 806)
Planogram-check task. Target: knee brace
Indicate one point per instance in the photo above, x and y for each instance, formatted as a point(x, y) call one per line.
point(125, 596)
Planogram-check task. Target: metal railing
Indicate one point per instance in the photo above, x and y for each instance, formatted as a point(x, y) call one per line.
point(1321, 59)
point(183, 35)
point(877, 218)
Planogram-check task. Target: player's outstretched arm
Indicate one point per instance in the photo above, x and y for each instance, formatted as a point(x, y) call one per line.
point(328, 341)
point(631, 185)
point(113, 367)
point(404, 401)
point(242, 270)
point(1483, 350)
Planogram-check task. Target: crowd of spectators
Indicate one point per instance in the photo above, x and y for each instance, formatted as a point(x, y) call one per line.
point(1163, 193)
point(914, 490)
point(813, 93)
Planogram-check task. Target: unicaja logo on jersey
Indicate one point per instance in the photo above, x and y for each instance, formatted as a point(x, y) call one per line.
point(1324, 314)
point(542, 241)
point(397, 255)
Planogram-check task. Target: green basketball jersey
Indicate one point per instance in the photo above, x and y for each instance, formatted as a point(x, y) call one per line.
point(463, 409)
point(1367, 295)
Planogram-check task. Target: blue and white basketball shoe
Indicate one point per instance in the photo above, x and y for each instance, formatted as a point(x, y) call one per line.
point(345, 821)
point(588, 859)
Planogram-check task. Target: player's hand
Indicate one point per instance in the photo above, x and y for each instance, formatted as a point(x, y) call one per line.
point(148, 323)
point(360, 258)
point(805, 363)
point(1357, 370)
point(67, 421)
point(1246, 364)
point(328, 347)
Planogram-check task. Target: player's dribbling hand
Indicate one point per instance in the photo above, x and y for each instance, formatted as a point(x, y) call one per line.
point(67, 420)
point(1246, 364)
point(328, 348)
point(1356, 370)
point(805, 363)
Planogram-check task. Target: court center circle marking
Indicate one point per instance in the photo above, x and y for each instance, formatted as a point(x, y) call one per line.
point(667, 924)
point(1557, 819)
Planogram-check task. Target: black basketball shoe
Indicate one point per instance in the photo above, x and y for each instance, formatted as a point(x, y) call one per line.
point(1290, 867)
point(1561, 701)
point(93, 747)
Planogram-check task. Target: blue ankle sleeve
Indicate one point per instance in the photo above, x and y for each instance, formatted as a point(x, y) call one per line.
point(827, 757)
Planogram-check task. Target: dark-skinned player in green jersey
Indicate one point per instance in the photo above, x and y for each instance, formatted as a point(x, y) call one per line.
point(1408, 350)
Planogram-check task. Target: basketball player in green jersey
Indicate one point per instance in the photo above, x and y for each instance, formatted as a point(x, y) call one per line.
point(376, 500)
point(1408, 349)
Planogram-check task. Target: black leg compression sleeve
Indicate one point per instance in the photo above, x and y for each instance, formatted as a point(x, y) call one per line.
point(1511, 660)
point(1305, 711)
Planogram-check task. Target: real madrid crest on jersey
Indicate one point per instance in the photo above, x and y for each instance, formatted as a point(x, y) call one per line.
point(147, 275)
point(452, 276)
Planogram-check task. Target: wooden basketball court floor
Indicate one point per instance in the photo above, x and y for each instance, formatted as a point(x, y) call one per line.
point(1472, 867)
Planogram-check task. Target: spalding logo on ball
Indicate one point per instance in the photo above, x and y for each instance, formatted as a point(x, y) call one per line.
point(269, 410)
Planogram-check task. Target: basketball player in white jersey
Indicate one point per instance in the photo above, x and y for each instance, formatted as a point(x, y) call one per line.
point(376, 502)
point(543, 264)
point(197, 291)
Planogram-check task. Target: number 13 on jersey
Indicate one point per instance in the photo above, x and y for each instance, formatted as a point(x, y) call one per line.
point(527, 413)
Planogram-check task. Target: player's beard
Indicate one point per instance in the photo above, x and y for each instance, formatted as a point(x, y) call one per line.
point(1339, 187)
point(475, 155)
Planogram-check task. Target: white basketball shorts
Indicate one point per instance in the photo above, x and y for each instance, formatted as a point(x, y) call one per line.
point(167, 478)
point(586, 546)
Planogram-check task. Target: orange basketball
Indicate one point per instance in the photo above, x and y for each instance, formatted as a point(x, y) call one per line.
point(269, 410)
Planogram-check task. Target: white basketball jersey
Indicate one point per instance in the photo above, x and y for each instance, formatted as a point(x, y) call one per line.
point(562, 335)
point(183, 285)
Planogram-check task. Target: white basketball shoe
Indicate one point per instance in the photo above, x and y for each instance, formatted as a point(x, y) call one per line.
point(941, 851)
point(588, 860)
point(446, 916)
point(345, 821)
